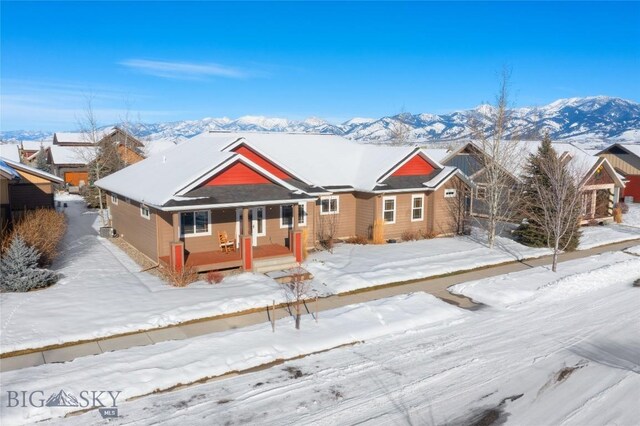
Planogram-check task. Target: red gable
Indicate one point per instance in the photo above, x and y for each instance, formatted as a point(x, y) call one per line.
point(415, 166)
point(261, 161)
point(237, 174)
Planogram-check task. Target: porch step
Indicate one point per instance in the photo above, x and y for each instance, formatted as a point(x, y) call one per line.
point(287, 275)
point(278, 263)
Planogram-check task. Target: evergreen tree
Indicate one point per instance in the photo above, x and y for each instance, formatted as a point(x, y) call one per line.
point(41, 160)
point(530, 232)
point(19, 269)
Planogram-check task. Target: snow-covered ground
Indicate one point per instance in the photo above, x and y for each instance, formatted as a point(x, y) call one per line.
point(629, 229)
point(568, 352)
point(352, 267)
point(103, 293)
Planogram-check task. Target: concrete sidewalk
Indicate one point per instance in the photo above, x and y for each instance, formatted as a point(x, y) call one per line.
point(436, 286)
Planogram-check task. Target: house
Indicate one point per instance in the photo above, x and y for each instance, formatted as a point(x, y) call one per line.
point(67, 155)
point(23, 188)
point(601, 185)
point(268, 190)
point(625, 159)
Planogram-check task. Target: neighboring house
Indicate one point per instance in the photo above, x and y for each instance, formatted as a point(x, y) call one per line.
point(264, 189)
point(24, 188)
point(625, 158)
point(601, 184)
point(69, 152)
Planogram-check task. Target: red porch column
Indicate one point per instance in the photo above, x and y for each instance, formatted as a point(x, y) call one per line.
point(295, 240)
point(177, 256)
point(246, 243)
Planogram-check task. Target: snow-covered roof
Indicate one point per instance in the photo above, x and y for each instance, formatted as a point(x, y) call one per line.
point(69, 154)
point(317, 160)
point(81, 137)
point(10, 151)
point(438, 154)
point(8, 171)
point(633, 148)
point(32, 170)
point(156, 179)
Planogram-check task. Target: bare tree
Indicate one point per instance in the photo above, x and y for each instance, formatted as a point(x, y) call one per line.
point(399, 131)
point(500, 158)
point(328, 225)
point(296, 291)
point(457, 206)
point(557, 191)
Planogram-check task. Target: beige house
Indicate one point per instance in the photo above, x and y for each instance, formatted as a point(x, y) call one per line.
point(272, 193)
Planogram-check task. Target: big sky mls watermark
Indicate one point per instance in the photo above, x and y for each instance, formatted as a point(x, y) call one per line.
point(104, 400)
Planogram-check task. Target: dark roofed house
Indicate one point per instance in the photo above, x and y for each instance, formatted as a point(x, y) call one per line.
point(264, 189)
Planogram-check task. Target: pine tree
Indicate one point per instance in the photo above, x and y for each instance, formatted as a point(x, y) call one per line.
point(531, 233)
point(41, 160)
point(19, 269)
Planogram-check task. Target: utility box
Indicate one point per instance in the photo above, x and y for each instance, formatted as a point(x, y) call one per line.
point(107, 232)
point(628, 199)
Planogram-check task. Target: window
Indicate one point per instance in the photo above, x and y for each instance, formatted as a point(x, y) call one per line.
point(449, 193)
point(286, 213)
point(114, 199)
point(329, 205)
point(144, 211)
point(481, 192)
point(389, 209)
point(417, 207)
point(195, 223)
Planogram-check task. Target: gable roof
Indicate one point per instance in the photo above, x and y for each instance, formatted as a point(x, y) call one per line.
point(17, 166)
point(316, 163)
point(633, 149)
point(80, 138)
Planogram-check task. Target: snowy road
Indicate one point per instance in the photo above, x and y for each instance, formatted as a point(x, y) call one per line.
point(568, 355)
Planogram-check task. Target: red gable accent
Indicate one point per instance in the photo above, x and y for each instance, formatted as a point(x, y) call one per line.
point(261, 161)
point(237, 174)
point(416, 166)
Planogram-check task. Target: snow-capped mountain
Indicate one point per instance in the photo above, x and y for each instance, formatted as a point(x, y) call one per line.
point(591, 119)
point(62, 399)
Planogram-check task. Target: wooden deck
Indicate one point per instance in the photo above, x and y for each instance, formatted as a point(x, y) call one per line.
point(212, 260)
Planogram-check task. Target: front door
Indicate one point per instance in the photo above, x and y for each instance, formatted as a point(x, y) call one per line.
point(257, 224)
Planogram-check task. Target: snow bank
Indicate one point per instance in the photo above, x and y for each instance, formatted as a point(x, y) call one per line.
point(142, 370)
point(594, 236)
point(352, 267)
point(540, 282)
point(634, 250)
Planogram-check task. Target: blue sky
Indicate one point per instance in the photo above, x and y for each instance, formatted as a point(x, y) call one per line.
point(173, 61)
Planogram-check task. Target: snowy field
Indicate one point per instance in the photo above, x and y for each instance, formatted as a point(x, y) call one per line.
point(103, 293)
point(548, 350)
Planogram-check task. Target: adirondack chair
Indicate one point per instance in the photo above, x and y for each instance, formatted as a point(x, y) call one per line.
point(226, 245)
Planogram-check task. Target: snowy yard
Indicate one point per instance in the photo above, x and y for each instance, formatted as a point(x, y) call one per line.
point(548, 349)
point(103, 293)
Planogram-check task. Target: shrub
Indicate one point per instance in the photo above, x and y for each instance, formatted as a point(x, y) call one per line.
point(358, 239)
point(378, 232)
point(214, 277)
point(427, 235)
point(41, 229)
point(19, 268)
point(410, 235)
point(327, 244)
point(181, 278)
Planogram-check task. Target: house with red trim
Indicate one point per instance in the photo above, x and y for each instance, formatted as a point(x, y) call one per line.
point(625, 158)
point(273, 193)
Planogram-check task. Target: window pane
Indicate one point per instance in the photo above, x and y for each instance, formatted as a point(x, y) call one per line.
point(259, 217)
point(417, 203)
point(202, 222)
point(334, 205)
point(287, 213)
point(388, 216)
point(388, 204)
point(301, 213)
point(325, 206)
point(186, 220)
point(417, 213)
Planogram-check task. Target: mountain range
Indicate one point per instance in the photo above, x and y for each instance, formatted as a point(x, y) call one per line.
point(590, 119)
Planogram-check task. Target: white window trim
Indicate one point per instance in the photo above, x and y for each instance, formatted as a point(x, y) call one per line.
point(195, 234)
point(114, 199)
point(303, 204)
point(264, 221)
point(146, 216)
point(395, 207)
point(330, 197)
point(452, 195)
point(413, 197)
